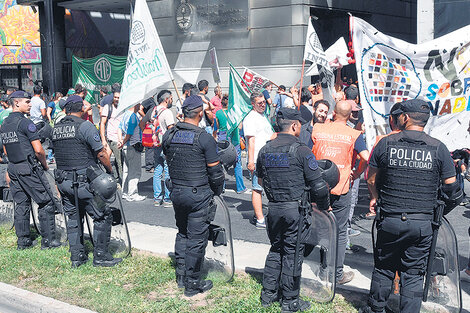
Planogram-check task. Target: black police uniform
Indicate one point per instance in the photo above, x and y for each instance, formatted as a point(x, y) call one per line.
point(411, 164)
point(75, 143)
point(188, 150)
point(287, 167)
point(17, 133)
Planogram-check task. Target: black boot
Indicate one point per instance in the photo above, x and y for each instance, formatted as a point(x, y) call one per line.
point(47, 244)
point(47, 225)
point(25, 243)
point(294, 305)
point(104, 259)
point(268, 297)
point(180, 281)
point(79, 259)
point(192, 288)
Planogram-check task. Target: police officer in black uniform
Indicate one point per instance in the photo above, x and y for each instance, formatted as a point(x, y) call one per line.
point(196, 175)
point(77, 146)
point(23, 148)
point(286, 167)
point(406, 170)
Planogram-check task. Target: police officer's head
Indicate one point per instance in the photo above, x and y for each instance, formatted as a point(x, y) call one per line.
point(289, 121)
point(193, 108)
point(20, 101)
point(412, 114)
point(258, 102)
point(73, 104)
point(393, 118)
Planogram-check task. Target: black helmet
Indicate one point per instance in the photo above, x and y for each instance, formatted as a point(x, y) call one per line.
point(330, 172)
point(227, 153)
point(102, 184)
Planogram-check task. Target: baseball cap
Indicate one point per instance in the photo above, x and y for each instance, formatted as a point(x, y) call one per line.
point(351, 93)
point(192, 102)
point(414, 105)
point(20, 94)
point(73, 99)
point(70, 92)
point(290, 114)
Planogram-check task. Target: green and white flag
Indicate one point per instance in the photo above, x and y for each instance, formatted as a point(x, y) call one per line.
point(147, 67)
point(93, 73)
point(239, 104)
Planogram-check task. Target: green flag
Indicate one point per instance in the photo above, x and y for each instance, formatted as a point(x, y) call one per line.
point(93, 73)
point(239, 104)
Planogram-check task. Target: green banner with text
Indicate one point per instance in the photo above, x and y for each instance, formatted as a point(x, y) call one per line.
point(93, 73)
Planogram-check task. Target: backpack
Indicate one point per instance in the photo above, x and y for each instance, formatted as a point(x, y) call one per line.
point(152, 133)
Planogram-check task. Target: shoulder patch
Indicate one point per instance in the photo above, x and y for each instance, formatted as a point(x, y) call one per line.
point(96, 138)
point(32, 128)
point(184, 137)
point(312, 162)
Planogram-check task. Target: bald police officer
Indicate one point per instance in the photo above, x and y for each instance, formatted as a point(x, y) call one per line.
point(285, 166)
point(24, 150)
point(78, 147)
point(406, 170)
point(196, 174)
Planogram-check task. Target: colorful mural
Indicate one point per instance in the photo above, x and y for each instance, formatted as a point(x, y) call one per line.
point(19, 34)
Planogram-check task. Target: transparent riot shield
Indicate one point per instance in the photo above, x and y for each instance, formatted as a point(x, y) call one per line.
point(444, 294)
point(219, 261)
point(7, 208)
point(319, 267)
point(120, 243)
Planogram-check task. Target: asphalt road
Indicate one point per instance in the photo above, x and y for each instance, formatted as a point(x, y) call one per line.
point(241, 212)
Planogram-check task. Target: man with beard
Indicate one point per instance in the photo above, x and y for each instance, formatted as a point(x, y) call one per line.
point(320, 111)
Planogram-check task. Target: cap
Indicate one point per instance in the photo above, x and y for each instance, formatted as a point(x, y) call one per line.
point(20, 94)
point(414, 105)
point(192, 102)
point(70, 92)
point(73, 99)
point(290, 114)
point(351, 93)
point(354, 106)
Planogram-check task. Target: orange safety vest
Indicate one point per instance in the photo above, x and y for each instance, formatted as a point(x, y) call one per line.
point(335, 141)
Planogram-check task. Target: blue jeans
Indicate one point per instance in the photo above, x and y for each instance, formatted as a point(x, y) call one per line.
point(158, 176)
point(239, 170)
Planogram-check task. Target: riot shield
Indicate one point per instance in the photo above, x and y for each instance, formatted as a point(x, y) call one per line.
point(7, 211)
point(219, 261)
point(60, 223)
point(120, 243)
point(444, 294)
point(319, 267)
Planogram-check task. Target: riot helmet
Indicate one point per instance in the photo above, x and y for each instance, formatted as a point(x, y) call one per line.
point(102, 184)
point(330, 172)
point(227, 153)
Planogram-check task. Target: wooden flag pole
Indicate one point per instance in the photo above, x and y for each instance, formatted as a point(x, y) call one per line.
point(301, 83)
point(177, 91)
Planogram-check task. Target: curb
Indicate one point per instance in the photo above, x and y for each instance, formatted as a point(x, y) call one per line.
point(20, 300)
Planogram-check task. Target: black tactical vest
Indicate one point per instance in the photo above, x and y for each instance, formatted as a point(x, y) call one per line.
point(15, 141)
point(409, 183)
point(185, 157)
point(70, 148)
point(284, 175)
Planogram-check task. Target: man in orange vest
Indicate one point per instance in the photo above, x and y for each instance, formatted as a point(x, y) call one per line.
point(341, 144)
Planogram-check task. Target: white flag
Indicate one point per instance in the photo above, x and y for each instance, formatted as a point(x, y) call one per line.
point(147, 67)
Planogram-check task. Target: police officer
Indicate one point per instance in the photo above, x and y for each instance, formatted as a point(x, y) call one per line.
point(286, 167)
point(196, 175)
point(406, 170)
point(23, 148)
point(78, 147)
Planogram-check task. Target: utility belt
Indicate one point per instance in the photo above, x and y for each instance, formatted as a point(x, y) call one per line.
point(61, 175)
point(407, 216)
point(284, 205)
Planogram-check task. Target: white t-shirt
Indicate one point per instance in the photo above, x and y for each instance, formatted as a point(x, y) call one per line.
point(36, 105)
point(113, 122)
point(257, 125)
point(165, 118)
point(288, 103)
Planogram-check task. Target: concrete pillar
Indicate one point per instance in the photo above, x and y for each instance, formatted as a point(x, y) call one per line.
point(425, 21)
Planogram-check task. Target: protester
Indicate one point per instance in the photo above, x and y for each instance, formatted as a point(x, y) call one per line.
point(208, 120)
point(319, 114)
point(216, 100)
point(186, 90)
point(257, 131)
point(146, 106)
point(7, 109)
point(222, 127)
point(38, 106)
point(87, 108)
point(52, 106)
point(342, 152)
point(131, 144)
point(280, 98)
point(268, 87)
point(305, 97)
point(109, 131)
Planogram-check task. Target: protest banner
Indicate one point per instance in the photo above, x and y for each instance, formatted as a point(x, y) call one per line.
point(252, 81)
point(239, 104)
point(147, 67)
point(94, 73)
point(214, 66)
point(391, 70)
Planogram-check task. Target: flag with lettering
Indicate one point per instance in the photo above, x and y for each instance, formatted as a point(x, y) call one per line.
point(147, 67)
point(391, 70)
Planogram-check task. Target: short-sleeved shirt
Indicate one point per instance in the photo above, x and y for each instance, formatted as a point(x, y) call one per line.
point(130, 126)
point(257, 125)
point(36, 105)
point(165, 117)
point(223, 126)
point(217, 103)
point(91, 135)
point(108, 99)
point(378, 158)
point(209, 146)
point(266, 95)
point(279, 101)
point(112, 123)
point(51, 105)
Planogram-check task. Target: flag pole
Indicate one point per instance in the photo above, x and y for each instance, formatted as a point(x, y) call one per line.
point(301, 83)
point(176, 89)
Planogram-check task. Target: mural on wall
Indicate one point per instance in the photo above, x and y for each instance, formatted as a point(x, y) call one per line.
point(19, 34)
